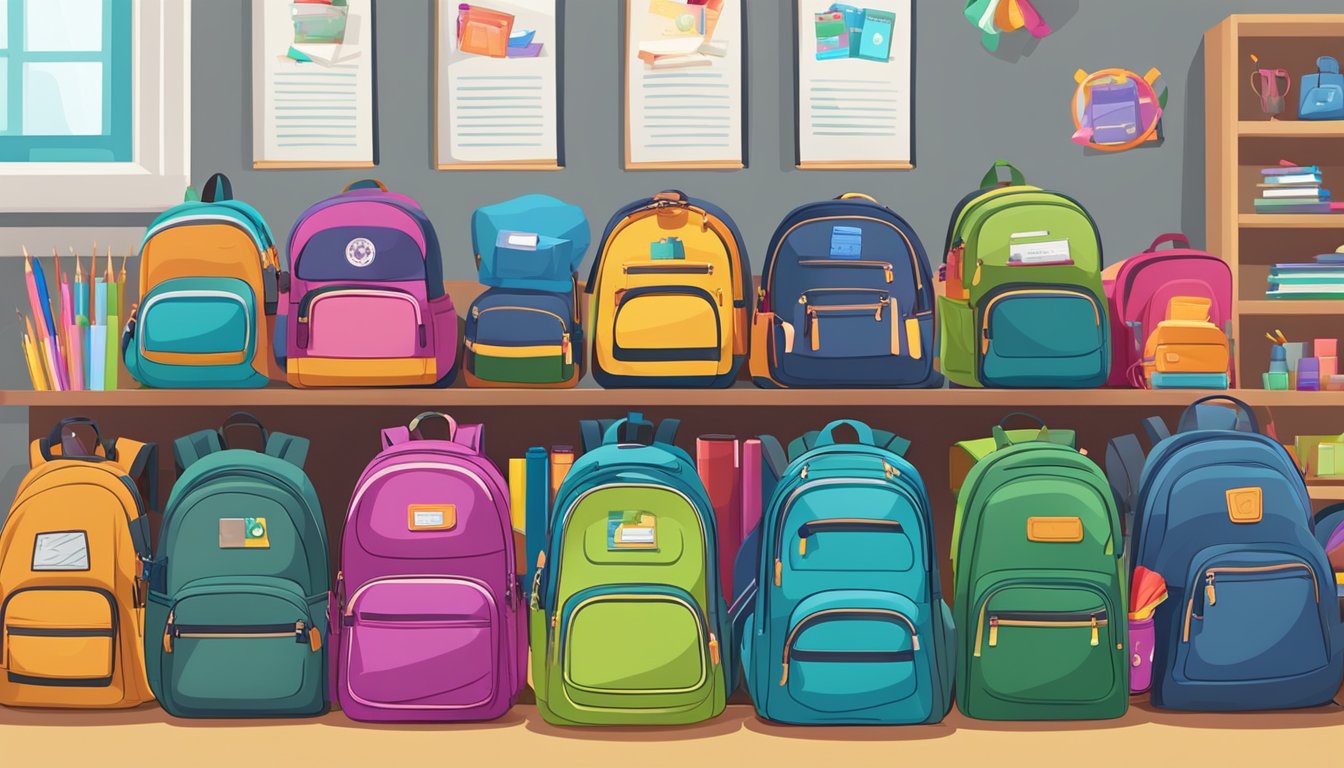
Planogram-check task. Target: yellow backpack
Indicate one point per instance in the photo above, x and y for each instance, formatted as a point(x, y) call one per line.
point(669, 294)
point(71, 594)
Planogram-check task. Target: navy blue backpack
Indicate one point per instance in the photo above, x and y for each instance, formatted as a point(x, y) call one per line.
point(846, 300)
point(1222, 512)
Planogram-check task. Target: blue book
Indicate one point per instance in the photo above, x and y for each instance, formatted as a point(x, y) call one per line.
point(875, 39)
point(538, 511)
point(1286, 170)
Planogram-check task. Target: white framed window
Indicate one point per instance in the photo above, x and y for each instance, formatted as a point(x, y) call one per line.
point(95, 104)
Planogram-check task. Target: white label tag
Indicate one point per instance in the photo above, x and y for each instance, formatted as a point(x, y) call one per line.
point(63, 551)
point(1025, 235)
point(634, 535)
point(522, 240)
point(1048, 252)
point(429, 519)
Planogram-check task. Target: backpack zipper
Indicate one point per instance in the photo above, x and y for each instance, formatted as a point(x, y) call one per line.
point(984, 322)
point(1094, 621)
point(844, 525)
point(661, 269)
point(299, 630)
point(887, 271)
point(565, 345)
point(859, 612)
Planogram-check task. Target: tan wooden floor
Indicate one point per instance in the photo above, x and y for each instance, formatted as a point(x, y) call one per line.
point(737, 739)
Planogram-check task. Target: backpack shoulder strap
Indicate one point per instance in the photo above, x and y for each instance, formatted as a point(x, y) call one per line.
point(189, 449)
point(890, 441)
point(774, 458)
point(666, 431)
point(140, 462)
point(289, 448)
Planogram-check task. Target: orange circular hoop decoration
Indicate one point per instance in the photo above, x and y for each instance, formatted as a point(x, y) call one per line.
point(1079, 102)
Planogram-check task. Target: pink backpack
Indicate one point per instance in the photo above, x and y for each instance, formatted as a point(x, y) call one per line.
point(363, 304)
point(427, 623)
point(1141, 289)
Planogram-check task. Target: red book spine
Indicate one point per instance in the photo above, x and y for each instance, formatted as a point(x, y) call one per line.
point(716, 459)
point(751, 486)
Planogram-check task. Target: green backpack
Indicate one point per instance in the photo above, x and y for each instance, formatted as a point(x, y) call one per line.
point(1024, 305)
point(628, 624)
point(238, 599)
point(1038, 572)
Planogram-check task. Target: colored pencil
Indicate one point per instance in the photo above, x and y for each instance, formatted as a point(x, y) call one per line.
point(79, 337)
point(49, 319)
point(41, 340)
point(113, 323)
point(36, 371)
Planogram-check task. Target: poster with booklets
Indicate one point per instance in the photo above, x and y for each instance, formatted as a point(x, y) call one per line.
point(855, 99)
point(312, 84)
point(496, 85)
point(684, 68)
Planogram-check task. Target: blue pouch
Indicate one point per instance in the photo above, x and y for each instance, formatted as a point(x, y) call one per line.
point(1323, 92)
point(562, 236)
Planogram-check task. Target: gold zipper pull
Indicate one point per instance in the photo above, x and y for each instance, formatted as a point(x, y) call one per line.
point(890, 471)
point(555, 641)
point(878, 314)
point(803, 472)
point(1210, 597)
point(1096, 635)
point(975, 279)
point(993, 631)
point(813, 330)
point(779, 572)
point(475, 312)
point(714, 649)
point(568, 349)
point(784, 676)
point(719, 293)
point(888, 273)
point(802, 546)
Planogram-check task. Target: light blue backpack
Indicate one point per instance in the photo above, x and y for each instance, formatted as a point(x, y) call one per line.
point(1323, 92)
point(848, 622)
point(209, 279)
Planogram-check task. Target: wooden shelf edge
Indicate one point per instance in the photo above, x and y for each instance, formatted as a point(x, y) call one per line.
point(1280, 307)
point(737, 397)
point(1291, 129)
point(1291, 220)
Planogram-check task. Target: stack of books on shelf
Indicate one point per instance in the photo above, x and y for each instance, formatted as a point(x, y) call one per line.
point(1291, 188)
point(1319, 279)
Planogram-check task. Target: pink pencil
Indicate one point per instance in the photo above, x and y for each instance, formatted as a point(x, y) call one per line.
point(76, 358)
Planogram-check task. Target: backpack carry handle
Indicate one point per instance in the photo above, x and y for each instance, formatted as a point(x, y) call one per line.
point(858, 196)
point(414, 426)
point(217, 189)
point(827, 434)
point(245, 420)
point(57, 432)
point(1327, 65)
point(1000, 431)
point(1003, 174)
point(670, 196)
point(365, 184)
point(1188, 415)
point(1175, 238)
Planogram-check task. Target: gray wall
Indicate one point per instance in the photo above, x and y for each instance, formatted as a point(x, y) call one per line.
point(972, 107)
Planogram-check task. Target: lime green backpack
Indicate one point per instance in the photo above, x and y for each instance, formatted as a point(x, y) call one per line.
point(1023, 304)
point(1039, 584)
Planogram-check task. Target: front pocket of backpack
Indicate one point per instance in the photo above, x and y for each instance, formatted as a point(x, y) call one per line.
point(517, 344)
point(622, 640)
point(1253, 621)
point(422, 643)
point(238, 651)
point(198, 322)
point(1046, 644)
point(659, 324)
point(1042, 336)
point(957, 356)
point(851, 544)
point(361, 323)
point(848, 659)
point(848, 324)
point(60, 636)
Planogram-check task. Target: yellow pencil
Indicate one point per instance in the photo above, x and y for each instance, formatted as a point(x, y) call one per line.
point(36, 371)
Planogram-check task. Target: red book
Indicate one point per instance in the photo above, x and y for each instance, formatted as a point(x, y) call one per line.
point(716, 459)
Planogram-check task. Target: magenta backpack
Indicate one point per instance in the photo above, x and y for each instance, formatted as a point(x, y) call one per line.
point(363, 304)
point(427, 623)
point(1143, 287)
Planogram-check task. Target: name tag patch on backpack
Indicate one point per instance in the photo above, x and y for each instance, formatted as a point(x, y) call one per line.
point(846, 242)
point(631, 530)
point(1245, 505)
point(61, 551)
point(243, 533)
point(431, 517)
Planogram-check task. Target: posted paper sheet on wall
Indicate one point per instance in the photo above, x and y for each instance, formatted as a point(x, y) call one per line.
point(312, 84)
point(684, 84)
point(496, 84)
point(855, 84)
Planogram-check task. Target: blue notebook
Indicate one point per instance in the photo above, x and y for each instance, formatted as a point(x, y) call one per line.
point(1189, 380)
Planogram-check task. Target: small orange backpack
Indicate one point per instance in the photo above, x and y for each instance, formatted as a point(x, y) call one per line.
point(71, 591)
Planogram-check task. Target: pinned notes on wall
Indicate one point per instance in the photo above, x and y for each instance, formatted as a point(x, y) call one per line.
point(855, 84)
point(312, 84)
point(683, 81)
point(496, 85)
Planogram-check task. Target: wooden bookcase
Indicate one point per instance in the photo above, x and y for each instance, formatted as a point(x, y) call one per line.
point(1240, 141)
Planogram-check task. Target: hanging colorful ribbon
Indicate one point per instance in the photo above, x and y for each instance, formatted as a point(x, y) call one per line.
point(994, 18)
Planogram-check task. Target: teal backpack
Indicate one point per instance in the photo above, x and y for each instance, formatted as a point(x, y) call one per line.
point(1024, 305)
point(1038, 568)
point(627, 621)
point(849, 624)
point(238, 597)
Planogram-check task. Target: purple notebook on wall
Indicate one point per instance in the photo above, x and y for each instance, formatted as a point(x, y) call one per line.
point(1114, 113)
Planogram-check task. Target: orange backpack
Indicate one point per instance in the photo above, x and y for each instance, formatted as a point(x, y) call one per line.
point(71, 594)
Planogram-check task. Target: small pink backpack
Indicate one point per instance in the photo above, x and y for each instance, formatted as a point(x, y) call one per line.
point(1140, 289)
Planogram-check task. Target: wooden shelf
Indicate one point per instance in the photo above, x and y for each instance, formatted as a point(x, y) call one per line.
point(1292, 129)
point(1291, 221)
point(1325, 492)
point(1284, 307)
point(737, 397)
